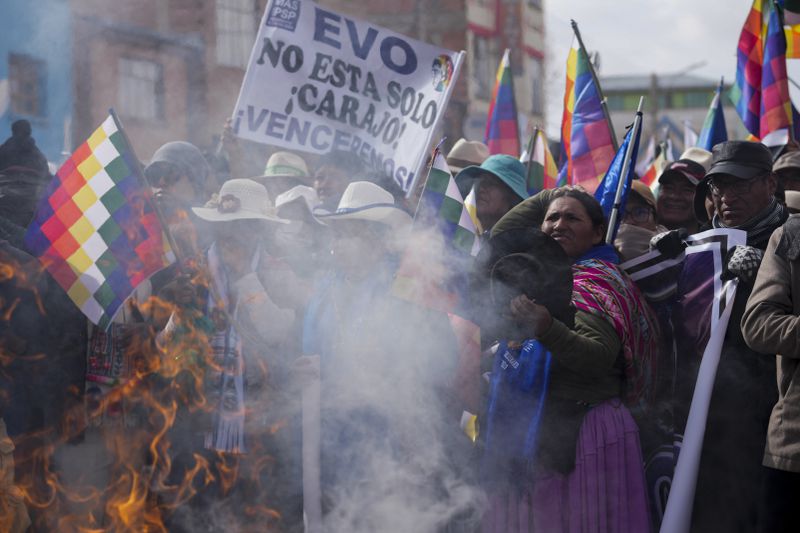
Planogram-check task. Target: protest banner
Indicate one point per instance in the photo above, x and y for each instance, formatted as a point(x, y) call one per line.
point(319, 81)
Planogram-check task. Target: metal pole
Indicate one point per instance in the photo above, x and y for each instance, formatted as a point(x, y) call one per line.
point(507, 61)
point(626, 165)
point(436, 151)
point(790, 129)
point(531, 145)
point(603, 102)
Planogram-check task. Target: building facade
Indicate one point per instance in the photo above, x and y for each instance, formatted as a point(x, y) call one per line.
point(172, 69)
point(671, 101)
point(493, 26)
point(36, 71)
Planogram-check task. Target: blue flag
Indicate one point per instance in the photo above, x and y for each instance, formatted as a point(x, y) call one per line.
point(607, 190)
point(714, 130)
point(518, 390)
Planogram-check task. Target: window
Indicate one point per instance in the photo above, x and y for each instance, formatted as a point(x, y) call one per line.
point(141, 89)
point(678, 100)
point(699, 98)
point(484, 68)
point(537, 86)
point(616, 102)
point(622, 102)
point(691, 99)
point(236, 31)
point(26, 76)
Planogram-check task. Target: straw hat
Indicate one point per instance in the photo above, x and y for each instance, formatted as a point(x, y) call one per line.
point(699, 156)
point(466, 153)
point(239, 199)
point(301, 194)
point(286, 165)
point(363, 200)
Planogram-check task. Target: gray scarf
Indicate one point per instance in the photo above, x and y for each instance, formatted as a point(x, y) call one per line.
point(760, 227)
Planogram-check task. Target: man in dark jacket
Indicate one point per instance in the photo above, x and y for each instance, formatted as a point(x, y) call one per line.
point(742, 187)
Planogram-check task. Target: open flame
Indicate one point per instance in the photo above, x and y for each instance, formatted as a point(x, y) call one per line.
point(151, 472)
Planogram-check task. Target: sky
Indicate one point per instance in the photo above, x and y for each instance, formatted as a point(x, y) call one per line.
point(644, 36)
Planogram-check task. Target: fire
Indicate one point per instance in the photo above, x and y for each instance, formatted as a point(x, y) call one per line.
point(149, 468)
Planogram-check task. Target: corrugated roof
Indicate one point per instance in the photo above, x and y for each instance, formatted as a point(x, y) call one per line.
point(642, 83)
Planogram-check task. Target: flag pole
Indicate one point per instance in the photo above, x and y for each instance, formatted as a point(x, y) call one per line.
point(436, 150)
point(777, 6)
point(623, 181)
point(149, 198)
point(603, 102)
point(531, 146)
point(507, 56)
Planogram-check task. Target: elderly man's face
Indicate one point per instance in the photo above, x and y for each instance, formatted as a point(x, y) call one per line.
point(736, 201)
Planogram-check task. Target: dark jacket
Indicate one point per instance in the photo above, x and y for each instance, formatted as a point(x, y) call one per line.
point(730, 474)
point(44, 337)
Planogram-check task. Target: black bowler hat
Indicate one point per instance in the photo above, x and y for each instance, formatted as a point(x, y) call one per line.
point(741, 159)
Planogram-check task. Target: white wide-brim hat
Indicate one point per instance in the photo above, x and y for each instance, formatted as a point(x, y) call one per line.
point(363, 200)
point(300, 194)
point(239, 199)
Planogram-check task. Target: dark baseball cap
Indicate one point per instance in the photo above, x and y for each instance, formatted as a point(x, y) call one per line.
point(741, 159)
point(685, 168)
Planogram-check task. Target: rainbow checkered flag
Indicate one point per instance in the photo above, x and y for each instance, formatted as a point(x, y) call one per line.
point(761, 92)
point(587, 144)
point(502, 129)
point(791, 27)
point(444, 241)
point(95, 228)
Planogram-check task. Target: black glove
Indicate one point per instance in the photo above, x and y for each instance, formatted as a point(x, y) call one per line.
point(742, 262)
point(671, 244)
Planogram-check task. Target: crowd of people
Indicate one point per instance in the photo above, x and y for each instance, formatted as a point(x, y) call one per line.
point(284, 282)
